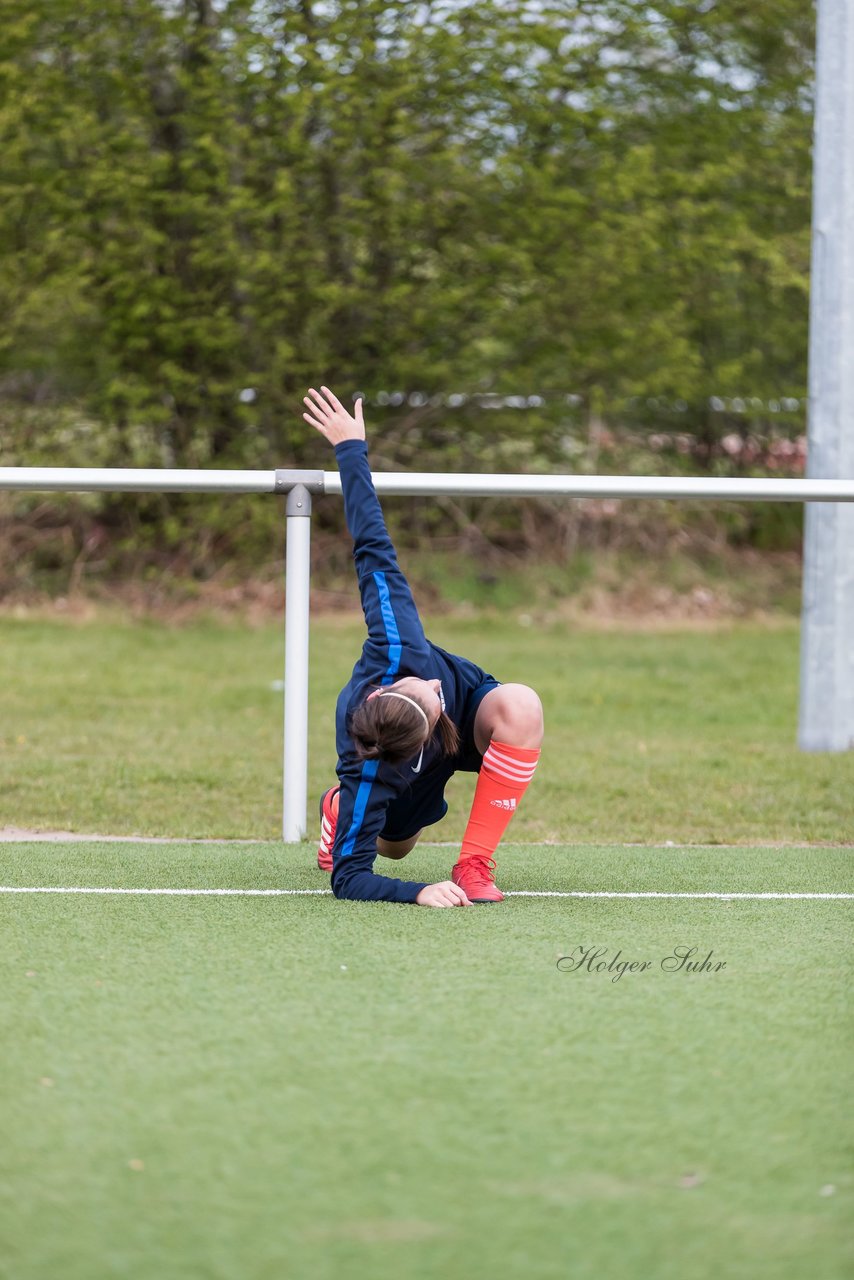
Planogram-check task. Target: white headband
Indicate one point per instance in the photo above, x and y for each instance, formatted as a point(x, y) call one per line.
point(411, 702)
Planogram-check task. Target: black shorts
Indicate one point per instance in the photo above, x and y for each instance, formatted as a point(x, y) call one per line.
point(424, 803)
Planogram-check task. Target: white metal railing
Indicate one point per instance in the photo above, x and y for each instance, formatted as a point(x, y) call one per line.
point(299, 487)
point(156, 480)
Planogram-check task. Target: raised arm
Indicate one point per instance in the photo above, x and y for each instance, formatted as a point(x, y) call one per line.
point(387, 602)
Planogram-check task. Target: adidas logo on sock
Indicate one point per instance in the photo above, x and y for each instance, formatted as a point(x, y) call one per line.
point(503, 804)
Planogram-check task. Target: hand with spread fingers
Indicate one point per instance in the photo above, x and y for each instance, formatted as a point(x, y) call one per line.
point(327, 414)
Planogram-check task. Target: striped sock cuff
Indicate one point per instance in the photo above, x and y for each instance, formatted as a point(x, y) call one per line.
point(514, 765)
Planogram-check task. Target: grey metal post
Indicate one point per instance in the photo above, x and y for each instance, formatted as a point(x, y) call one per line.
point(297, 584)
point(827, 632)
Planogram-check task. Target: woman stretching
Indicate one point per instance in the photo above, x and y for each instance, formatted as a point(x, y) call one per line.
point(410, 716)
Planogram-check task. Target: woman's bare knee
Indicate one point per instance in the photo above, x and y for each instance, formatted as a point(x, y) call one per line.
point(396, 848)
point(510, 713)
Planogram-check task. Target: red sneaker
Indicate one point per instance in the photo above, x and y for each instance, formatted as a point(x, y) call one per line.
point(473, 873)
point(328, 823)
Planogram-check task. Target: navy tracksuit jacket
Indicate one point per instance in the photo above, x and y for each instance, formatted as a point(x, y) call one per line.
point(396, 646)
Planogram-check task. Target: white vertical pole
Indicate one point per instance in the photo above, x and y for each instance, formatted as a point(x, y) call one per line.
point(827, 630)
point(297, 583)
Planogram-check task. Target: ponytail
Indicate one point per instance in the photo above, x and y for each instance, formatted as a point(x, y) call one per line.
point(448, 733)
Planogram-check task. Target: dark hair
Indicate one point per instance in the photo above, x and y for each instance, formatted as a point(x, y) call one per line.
point(391, 729)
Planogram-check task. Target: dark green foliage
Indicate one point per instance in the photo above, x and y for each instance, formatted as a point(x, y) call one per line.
point(206, 206)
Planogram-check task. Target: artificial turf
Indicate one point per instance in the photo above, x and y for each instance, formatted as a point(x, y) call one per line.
point(249, 1087)
point(252, 1087)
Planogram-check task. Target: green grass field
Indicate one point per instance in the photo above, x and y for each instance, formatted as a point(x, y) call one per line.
point(153, 730)
point(246, 1087)
point(271, 1085)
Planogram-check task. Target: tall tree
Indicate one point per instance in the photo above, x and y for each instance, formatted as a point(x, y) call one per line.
point(208, 203)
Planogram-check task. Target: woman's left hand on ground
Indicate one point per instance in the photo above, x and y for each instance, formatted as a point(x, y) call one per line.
point(328, 415)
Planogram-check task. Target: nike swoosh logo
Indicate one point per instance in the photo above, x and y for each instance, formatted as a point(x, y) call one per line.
point(416, 768)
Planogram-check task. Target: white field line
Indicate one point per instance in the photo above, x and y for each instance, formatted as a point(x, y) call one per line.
point(512, 893)
point(19, 835)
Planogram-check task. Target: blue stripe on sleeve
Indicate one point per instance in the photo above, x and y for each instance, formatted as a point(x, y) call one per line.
point(390, 623)
point(370, 767)
point(369, 772)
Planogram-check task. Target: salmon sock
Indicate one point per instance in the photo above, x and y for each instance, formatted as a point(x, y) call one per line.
point(501, 783)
